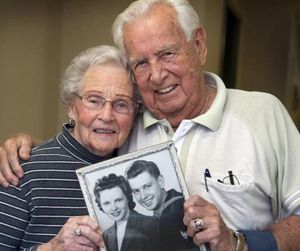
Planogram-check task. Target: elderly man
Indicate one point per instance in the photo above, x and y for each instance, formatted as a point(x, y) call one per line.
point(246, 140)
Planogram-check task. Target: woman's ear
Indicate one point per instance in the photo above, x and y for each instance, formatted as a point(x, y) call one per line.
point(71, 111)
point(199, 41)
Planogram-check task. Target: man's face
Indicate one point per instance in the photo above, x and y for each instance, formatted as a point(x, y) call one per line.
point(166, 66)
point(114, 204)
point(147, 190)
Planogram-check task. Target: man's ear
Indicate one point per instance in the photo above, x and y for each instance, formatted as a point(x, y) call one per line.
point(161, 181)
point(199, 41)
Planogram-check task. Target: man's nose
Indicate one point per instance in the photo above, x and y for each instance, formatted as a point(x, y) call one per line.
point(157, 72)
point(143, 194)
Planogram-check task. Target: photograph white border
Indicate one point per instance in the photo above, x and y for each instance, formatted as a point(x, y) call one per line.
point(163, 155)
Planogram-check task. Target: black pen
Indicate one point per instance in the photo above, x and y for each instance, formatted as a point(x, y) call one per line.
point(206, 175)
point(231, 179)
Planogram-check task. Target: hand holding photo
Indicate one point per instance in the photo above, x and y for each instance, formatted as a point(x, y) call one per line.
point(138, 199)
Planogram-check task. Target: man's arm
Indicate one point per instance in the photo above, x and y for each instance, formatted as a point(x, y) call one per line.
point(287, 233)
point(283, 235)
point(18, 146)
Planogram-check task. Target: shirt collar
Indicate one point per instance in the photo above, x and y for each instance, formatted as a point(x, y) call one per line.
point(213, 117)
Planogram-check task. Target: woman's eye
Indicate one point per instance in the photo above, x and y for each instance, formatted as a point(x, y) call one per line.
point(105, 203)
point(121, 103)
point(93, 100)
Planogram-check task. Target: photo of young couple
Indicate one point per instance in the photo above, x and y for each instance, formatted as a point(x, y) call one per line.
point(139, 205)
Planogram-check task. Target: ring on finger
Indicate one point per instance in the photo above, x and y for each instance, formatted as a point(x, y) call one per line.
point(78, 232)
point(198, 224)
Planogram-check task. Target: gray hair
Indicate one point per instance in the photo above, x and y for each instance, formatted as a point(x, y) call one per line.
point(187, 17)
point(72, 79)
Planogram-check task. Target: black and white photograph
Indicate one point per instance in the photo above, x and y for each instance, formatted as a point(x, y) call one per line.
point(138, 199)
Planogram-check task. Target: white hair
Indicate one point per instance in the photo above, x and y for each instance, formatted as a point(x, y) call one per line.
point(187, 17)
point(72, 79)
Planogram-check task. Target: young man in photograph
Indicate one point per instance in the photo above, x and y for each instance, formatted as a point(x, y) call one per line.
point(148, 187)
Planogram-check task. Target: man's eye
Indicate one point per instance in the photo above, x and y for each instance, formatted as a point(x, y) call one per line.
point(140, 64)
point(167, 55)
point(148, 186)
point(135, 191)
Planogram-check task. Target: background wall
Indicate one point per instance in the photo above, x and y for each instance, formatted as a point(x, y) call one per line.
point(38, 38)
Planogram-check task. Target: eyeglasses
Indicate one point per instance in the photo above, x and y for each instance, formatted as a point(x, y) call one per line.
point(96, 102)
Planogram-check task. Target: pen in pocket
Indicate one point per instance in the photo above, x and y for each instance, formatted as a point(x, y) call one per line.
point(206, 175)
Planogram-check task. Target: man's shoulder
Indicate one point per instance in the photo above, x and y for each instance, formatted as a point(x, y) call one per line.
point(173, 199)
point(254, 108)
point(250, 99)
point(174, 193)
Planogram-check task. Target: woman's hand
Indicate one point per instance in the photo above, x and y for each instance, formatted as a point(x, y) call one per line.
point(212, 229)
point(80, 233)
point(18, 146)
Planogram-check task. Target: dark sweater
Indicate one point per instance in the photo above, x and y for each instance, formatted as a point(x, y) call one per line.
point(49, 193)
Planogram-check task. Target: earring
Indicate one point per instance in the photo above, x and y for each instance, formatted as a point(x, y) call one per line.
point(72, 122)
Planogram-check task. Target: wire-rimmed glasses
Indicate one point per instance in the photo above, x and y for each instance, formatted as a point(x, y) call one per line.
point(123, 105)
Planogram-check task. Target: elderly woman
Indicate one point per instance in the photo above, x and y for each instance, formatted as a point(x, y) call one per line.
point(131, 230)
point(47, 210)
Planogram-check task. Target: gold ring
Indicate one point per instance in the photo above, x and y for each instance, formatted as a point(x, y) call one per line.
point(198, 224)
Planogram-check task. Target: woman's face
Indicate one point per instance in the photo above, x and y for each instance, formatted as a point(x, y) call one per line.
point(103, 130)
point(114, 204)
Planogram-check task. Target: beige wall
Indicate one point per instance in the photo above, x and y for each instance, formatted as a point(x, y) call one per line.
point(29, 65)
point(265, 41)
point(38, 38)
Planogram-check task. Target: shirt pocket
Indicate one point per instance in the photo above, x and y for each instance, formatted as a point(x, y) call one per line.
point(243, 206)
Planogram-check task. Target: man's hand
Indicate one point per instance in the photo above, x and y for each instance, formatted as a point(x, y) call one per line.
point(18, 146)
point(214, 231)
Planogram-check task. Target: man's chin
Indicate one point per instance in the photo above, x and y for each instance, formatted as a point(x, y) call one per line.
point(165, 111)
point(151, 207)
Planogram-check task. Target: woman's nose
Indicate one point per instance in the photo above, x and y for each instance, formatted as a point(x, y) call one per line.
point(106, 113)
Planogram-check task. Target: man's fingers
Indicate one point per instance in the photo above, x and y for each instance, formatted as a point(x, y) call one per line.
point(195, 201)
point(9, 176)
point(13, 148)
point(25, 144)
point(6, 174)
point(3, 181)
